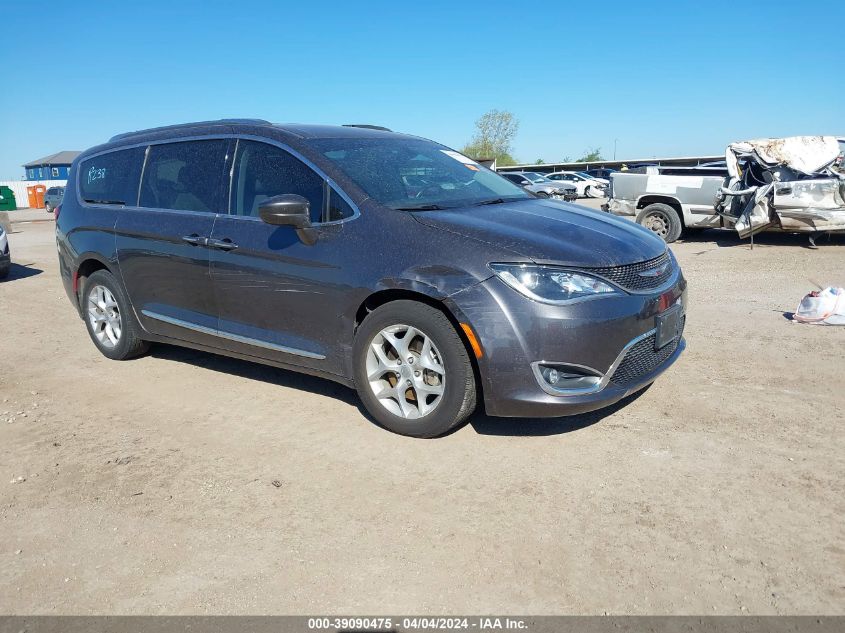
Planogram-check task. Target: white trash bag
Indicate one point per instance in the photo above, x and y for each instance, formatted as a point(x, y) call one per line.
point(822, 307)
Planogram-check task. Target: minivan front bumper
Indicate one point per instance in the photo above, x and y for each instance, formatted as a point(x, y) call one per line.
point(612, 338)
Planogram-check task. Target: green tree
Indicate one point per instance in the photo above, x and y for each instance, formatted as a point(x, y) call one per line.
point(539, 161)
point(591, 155)
point(493, 138)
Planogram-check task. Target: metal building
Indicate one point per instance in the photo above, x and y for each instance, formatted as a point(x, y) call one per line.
point(53, 167)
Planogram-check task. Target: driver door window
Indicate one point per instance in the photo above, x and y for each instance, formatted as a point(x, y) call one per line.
point(263, 171)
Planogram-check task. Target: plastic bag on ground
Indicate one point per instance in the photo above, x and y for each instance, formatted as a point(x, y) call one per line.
point(822, 307)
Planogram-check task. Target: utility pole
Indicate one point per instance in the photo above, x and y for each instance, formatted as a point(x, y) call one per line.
point(614, 147)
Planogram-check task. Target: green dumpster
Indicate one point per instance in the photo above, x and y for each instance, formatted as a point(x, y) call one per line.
point(7, 199)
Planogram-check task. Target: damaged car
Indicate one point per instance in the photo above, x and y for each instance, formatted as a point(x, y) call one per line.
point(788, 184)
point(312, 248)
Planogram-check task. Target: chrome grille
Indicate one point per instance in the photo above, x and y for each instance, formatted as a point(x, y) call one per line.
point(642, 359)
point(628, 276)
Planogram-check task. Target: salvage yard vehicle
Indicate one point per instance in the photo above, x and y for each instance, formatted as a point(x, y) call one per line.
point(786, 184)
point(587, 186)
point(667, 200)
point(5, 254)
point(600, 173)
point(53, 198)
point(540, 185)
point(305, 247)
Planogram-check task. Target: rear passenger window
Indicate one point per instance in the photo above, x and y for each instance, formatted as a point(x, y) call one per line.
point(184, 176)
point(263, 171)
point(111, 178)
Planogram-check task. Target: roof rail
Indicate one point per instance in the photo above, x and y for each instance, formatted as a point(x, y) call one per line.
point(117, 137)
point(368, 127)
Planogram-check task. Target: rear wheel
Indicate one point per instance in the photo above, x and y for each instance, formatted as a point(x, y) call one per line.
point(662, 220)
point(108, 318)
point(4, 270)
point(48, 207)
point(412, 370)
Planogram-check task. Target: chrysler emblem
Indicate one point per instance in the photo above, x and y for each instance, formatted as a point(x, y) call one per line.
point(655, 272)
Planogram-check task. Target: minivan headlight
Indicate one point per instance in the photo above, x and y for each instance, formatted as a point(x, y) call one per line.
point(549, 284)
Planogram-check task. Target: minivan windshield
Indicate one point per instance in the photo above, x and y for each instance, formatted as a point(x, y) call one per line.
point(415, 174)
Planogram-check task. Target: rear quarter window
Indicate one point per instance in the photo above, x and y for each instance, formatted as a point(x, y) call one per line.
point(111, 178)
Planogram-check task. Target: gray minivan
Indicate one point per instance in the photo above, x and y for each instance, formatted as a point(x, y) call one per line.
point(53, 197)
point(386, 262)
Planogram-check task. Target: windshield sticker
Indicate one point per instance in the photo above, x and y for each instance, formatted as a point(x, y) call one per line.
point(459, 157)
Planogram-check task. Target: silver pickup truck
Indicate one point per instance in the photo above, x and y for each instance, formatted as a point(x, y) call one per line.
point(793, 184)
point(668, 200)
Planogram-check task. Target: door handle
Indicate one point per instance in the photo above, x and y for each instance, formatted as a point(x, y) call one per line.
point(223, 245)
point(195, 239)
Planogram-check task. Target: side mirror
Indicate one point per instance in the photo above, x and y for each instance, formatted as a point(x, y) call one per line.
point(289, 209)
point(524, 182)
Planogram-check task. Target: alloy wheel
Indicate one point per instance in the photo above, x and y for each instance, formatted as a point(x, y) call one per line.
point(405, 371)
point(104, 316)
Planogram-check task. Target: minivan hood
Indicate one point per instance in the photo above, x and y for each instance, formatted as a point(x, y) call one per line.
point(551, 232)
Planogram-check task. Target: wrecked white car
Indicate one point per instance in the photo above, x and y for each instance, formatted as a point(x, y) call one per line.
point(787, 184)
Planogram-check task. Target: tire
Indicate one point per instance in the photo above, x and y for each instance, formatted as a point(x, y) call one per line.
point(4, 270)
point(48, 208)
point(542, 194)
point(403, 411)
point(662, 220)
point(103, 299)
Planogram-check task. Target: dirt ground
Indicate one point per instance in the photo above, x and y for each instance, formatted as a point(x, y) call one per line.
point(184, 482)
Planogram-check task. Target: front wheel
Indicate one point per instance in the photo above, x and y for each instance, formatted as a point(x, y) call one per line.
point(48, 207)
point(542, 194)
point(412, 370)
point(662, 220)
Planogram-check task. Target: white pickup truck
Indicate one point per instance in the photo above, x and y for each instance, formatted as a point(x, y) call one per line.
point(793, 184)
point(668, 200)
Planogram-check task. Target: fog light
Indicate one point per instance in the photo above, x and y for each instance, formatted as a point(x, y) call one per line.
point(562, 379)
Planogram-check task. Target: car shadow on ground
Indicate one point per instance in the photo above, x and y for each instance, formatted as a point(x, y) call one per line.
point(256, 371)
point(486, 425)
point(725, 238)
point(479, 421)
point(21, 271)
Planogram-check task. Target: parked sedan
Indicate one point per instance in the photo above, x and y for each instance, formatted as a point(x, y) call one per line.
point(601, 173)
point(5, 255)
point(53, 198)
point(540, 185)
point(586, 186)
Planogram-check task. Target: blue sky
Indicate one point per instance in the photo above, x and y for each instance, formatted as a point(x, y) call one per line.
point(664, 78)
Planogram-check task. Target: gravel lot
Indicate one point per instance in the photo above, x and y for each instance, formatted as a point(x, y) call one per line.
point(184, 482)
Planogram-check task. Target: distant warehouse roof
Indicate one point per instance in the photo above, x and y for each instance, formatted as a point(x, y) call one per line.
point(61, 158)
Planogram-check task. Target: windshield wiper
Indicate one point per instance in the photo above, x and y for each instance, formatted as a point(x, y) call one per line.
point(493, 201)
point(93, 201)
point(421, 207)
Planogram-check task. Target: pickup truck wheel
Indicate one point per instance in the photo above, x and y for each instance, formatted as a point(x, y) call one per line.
point(662, 220)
